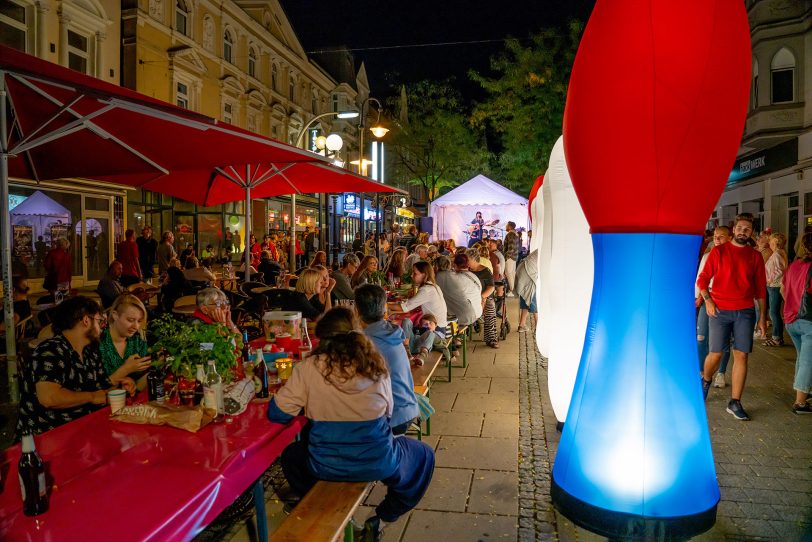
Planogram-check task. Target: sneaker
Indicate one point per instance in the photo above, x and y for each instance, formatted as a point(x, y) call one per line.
point(521, 329)
point(802, 408)
point(706, 384)
point(719, 380)
point(735, 407)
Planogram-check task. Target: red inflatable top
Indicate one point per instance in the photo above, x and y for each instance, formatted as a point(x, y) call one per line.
point(655, 112)
point(533, 192)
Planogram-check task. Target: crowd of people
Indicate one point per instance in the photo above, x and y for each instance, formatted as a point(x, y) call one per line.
point(744, 277)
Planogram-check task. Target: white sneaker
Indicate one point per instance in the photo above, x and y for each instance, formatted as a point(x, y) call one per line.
point(719, 380)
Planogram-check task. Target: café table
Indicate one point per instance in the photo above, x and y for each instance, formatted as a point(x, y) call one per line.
point(111, 480)
point(185, 310)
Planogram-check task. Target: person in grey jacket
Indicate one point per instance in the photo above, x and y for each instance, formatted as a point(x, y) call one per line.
point(370, 303)
point(461, 290)
point(343, 287)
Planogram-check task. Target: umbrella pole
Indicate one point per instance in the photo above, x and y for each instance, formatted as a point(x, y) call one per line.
point(292, 261)
point(5, 253)
point(247, 255)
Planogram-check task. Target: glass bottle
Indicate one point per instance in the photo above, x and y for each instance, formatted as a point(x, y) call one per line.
point(200, 379)
point(305, 345)
point(155, 385)
point(213, 391)
point(261, 372)
point(31, 471)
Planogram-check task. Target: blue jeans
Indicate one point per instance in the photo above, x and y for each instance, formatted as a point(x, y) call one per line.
point(416, 342)
point(776, 304)
point(801, 333)
point(702, 340)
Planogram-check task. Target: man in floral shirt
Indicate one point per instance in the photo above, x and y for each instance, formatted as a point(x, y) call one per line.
point(66, 379)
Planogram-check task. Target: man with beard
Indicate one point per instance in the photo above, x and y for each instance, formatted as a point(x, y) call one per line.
point(738, 275)
point(66, 378)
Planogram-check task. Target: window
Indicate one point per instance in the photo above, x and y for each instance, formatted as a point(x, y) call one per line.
point(291, 88)
point(782, 77)
point(181, 17)
point(274, 78)
point(335, 103)
point(182, 95)
point(78, 54)
point(755, 84)
point(313, 102)
point(13, 25)
point(228, 113)
point(228, 46)
point(252, 62)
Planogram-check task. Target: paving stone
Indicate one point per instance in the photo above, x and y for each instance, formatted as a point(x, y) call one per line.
point(479, 384)
point(499, 370)
point(448, 490)
point(478, 453)
point(393, 531)
point(451, 527)
point(500, 403)
point(466, 424)
point(494, 492)
point(505, 385)
point(497, 425)
point(441, 400)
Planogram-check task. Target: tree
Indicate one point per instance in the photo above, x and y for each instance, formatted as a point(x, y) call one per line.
point(525, 104)
point(436, 147)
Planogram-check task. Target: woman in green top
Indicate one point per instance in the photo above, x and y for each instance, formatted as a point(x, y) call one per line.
point(122, 341)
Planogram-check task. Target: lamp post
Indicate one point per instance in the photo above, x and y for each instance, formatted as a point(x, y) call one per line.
point(379, 131)
point(299, 142)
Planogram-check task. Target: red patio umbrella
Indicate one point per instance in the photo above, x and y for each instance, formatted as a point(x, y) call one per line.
point(56, 123)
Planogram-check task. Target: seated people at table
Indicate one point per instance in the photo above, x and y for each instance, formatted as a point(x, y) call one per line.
point(123, 343)
point(22, 307)
point(365, 272)
point(207, 254)
point(345, 390)
point(269, 268)
point(421, 252)
point(324, 300)
point(461, 289)
point(475, 264)
point(174, 287)
point(343, 277)
point(426, 296)
point(409, 239)
point(66, 379)
point(213, 308)
point(195, 273)
point(370, 305)
point(397, 264)
point(420, 338)
point(185, 254)
point(256, 250)
point(109, 287)
point(309, 286)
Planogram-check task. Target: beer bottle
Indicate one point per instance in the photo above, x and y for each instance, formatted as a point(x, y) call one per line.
point(31, 471)
point(261, 372)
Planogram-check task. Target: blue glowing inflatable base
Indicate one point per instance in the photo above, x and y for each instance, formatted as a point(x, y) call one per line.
point(635, 458)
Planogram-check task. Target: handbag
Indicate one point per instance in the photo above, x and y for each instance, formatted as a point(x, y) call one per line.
point(805, 310)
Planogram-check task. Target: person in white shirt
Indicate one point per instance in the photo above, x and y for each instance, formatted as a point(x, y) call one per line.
point(429, 298)
point(461, 289)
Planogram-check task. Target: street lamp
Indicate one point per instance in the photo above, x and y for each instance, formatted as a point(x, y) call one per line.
point(378, 131)
point(299, 142)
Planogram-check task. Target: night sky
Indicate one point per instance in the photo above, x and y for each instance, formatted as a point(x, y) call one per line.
point(322, 24)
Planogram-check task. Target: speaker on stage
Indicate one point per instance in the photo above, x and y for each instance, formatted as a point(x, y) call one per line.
point(426, 224)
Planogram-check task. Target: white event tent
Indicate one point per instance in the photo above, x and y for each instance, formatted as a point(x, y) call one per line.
point(454, 211)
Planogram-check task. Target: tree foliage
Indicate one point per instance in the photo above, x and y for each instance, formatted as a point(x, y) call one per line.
point(436, 147)
point(525, 103)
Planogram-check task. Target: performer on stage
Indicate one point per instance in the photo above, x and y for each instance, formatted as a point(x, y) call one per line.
point(475, 230)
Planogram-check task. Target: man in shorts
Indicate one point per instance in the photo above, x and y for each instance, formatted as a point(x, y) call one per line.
point(738, 277)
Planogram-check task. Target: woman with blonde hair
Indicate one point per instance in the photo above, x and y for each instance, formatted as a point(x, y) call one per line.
point(345, 390)
point(308, 287)
point(324, 300)
point(122, 344)
point(775, 267)
point(363, 274)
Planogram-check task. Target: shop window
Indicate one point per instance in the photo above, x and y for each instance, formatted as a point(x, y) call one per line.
point(210, 232)
point(181, 17)
point(335, 103)
point(78, 52)
point(97, 204)
point(782, 77)
point(184, 206)
point(14, 22)
point(808, 203)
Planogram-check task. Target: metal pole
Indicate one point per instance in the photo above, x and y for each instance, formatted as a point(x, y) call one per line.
point(362, 225)
point(292, 262)
point(5, 242)
point(247, 255)
point(378, 220)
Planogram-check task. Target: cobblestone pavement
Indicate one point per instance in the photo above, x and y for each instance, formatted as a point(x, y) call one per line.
point(764, 466)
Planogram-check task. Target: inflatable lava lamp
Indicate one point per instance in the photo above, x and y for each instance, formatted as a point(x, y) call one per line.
point(655, 112)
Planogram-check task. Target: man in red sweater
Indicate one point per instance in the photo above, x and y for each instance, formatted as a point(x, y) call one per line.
point(738, 277)
point(128, 256)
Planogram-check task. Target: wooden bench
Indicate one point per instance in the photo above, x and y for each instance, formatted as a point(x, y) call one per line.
point(422, 383)
point(324, 513)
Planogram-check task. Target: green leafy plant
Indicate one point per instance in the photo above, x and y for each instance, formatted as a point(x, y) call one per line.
point(182, 343)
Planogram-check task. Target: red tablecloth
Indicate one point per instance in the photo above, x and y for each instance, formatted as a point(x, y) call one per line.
point(120, 481)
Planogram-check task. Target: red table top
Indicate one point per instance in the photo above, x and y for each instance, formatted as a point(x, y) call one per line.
point(115, 480)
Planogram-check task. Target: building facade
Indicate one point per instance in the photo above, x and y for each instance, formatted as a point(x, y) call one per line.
point(772, 175)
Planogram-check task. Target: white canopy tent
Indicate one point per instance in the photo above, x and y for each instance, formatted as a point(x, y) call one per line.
point(454, 211)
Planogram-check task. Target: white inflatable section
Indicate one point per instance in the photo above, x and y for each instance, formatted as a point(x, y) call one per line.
point(543, 204)
point(571, 271)
point(535, 221)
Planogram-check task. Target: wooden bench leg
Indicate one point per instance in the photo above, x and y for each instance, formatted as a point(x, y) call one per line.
point(465, 349)
point(259, 505)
